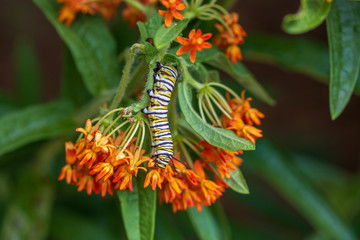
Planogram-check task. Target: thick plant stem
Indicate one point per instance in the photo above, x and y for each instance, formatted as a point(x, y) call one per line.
point(125, 76)
point(150, 81)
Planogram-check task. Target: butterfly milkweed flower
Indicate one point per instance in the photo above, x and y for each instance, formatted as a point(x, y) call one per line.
point(100, 163)
point(173, 6)
point(196, 42)
point(243, 118)
point(71, 8)
point(230, 37)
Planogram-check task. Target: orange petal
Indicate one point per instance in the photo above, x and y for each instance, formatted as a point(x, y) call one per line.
point(162, 12)
point(206, 45)
point(206, 36)
point(183, 50)
point(193, 55)
point(192, 33)
point(181, 6)
point(178, 15)
point(182, 40)
point(168, 19)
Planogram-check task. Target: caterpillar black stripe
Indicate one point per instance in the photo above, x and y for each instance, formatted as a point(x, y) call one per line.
point(157, 111)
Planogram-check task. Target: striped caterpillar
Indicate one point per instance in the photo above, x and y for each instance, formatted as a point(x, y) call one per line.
point(157, 111)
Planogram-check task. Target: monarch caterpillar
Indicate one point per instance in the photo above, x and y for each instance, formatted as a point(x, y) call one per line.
point(164, 82)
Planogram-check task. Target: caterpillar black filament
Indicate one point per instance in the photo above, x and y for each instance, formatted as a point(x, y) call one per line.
point(164, 82)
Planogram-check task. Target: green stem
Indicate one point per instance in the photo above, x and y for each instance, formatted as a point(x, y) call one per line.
point(208, 101)
point(190, 145)
point(125, 75)
point(208, 114)
point(201, 108)
point(186, 155)
point(117, 128)
point(221, 99)
point(187, 76)
point(129, 137)
point(136, 4)
point(219, 106)
point(226, 88)
point(150, 81)
point(172, 111)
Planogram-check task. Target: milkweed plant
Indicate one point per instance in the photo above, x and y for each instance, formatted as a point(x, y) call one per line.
point(169, 118)
point(210, 123)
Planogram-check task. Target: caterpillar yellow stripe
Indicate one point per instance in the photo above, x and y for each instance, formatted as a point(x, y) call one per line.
point(164, 82)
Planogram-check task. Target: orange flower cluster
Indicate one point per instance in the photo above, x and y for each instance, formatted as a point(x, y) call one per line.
point(95, 163)
point(70, 8)
point(196, 42)
point(184, 188)
point(230, 39)
point(132, 15)
point(243, 118)
point(224, 160)
point(173, 6)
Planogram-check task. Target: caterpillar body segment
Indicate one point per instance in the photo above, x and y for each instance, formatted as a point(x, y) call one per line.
point(164, 83)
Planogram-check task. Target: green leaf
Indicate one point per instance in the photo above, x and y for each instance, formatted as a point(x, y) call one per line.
point(343, 26)
point(310, 15)
point(201, 56)
point(91, 45)
point(34, 123)
point(27, 73)
point(204, 223)
point(277, 169)
point(222, 219)
point(138, 210)
point(236, 182)
point(73, 87)
point(164, 36)
point(143, 32)
point(312, 57)
point(241, 75)
point(218, 137)
point(150, 27)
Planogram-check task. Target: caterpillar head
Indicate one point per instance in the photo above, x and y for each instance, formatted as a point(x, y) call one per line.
point(158, 67)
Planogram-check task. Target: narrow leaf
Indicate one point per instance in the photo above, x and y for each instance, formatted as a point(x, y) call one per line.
point(138, 210)
point(310, 15)
point(91, 45)
point(204, 224)
point(241, 75)
point(165, 36)
point(343, 26)
point(27, 74)
point(312, 57)
point(223, 221)
point(277, 169)
point(218, 137)
point(236, 182)
point(73, 87)
point(34, 123)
